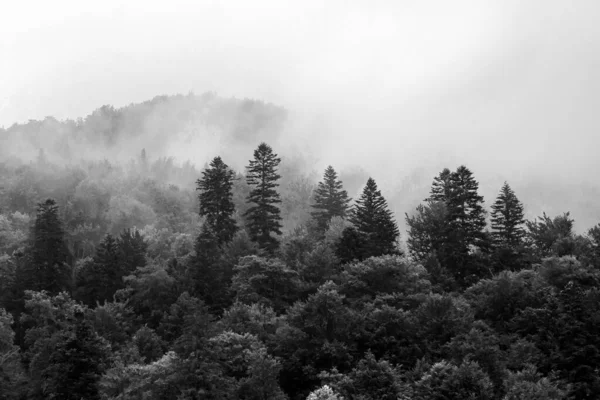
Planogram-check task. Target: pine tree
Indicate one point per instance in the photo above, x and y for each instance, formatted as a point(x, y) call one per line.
point(463, 230)
point(507, 218)
point(216, 199)
point(330, 200)
point(441, 187)
point(374, 220)
point(263, 218)
point(47, 266)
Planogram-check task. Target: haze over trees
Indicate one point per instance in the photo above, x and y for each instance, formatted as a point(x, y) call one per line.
point(159, 280)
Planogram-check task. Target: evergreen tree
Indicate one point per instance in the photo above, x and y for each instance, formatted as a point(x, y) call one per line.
point(374, 220)
point(264, 217)
point(441, 187)
point(132, 251)
point(47, 267)
point(99, 279)
point(330, 200)
point(463, 229)
point(216, 199)
point(507, 218)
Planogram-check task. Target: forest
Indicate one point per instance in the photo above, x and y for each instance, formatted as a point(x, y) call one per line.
point(125, 275)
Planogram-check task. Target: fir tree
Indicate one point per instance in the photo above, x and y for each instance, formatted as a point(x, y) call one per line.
point(216, 199)
point(263, 218)
point(330, 200)
point(47, 267)
point(507, 218)
point(374, 220)
point(441, 187)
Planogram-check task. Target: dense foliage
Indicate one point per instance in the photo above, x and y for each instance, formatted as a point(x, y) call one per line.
point(116, 284)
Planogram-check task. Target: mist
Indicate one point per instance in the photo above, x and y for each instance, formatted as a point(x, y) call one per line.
point(399, 90)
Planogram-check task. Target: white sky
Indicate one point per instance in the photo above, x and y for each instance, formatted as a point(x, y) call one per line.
point(496, 83)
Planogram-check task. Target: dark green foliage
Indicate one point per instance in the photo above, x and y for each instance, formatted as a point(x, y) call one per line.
point(263, 218)
point(507, 218)
point(330, 200)
point(375, 221)
point(216, 200)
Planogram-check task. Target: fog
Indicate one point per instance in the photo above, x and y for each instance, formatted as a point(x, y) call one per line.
point(399, 88)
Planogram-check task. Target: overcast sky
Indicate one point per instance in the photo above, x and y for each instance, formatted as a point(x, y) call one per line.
point(493, 82)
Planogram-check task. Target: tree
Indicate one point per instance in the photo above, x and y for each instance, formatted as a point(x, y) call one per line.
point(372, 218)
point(77, 362)
point(551, 236)
point(11, 377)
point(426, 230)
point(463, 231)
point(507, 218)
point(99, 279)
point(216, 199)
point(264, 217)
point(330, 200)
point(47, 267)
point(132, 249)
point(441, 188)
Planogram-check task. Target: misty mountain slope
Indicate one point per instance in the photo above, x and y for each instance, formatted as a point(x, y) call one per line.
point(180, 134)
point(186, 126)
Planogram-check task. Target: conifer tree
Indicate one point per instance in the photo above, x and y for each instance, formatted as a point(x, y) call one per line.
point(330, 200)
point(463, 228)
point(216, 199)
point(441, 187)
point(507, 218)
point(48, 262)
point(263, 218)
point(132, 250)
point(374, 220)
point(99, 279)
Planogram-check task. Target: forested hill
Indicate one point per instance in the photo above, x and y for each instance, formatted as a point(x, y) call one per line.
point(127, 274)
point(180, 134)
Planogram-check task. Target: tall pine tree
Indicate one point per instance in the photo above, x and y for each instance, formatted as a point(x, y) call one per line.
point(507, 219)
point(464, 228)
point(47, 267)
point(330, 200)
point(375, 222)
point(216, 200)
point(263, 218)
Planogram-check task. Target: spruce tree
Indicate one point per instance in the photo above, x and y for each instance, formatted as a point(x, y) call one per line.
point(48, 262)
point(263, 218)
point(330, 200)
point(464, 227)
point(441, 187)
point(374, 220)
point(216, 200)
point(507, 219)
